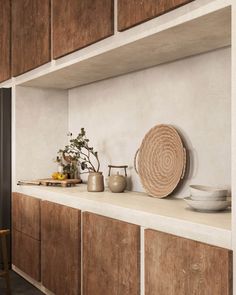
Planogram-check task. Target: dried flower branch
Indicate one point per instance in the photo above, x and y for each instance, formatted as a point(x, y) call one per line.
point(79, 151)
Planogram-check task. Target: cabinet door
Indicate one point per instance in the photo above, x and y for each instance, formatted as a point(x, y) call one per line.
point(111, 251)
point(61, 255)
point(78, 23)
point(26, 215)
point(26, 254)
point(175, 265)
point(30, 34)
point(133, 12)
point(5, 40)
point(16, 211)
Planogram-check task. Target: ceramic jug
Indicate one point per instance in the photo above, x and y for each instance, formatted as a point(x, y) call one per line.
point(117, 183)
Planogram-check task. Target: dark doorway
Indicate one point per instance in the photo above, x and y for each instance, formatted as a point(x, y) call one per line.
point(5, 161)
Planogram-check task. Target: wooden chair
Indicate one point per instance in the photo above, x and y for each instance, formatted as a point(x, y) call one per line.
point(5, 272)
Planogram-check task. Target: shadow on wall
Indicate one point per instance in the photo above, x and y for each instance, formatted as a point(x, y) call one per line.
point(191, 161)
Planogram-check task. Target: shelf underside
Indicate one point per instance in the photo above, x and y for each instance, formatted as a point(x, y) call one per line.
point(205, 33)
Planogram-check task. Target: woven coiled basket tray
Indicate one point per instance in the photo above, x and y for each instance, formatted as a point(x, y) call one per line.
point(161, 161)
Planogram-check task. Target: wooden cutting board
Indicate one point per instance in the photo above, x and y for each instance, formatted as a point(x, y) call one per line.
point(63, 183)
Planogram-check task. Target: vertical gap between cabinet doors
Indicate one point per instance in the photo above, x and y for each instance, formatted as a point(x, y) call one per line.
point(115, 16)
point(81, 252)
point(142, 261)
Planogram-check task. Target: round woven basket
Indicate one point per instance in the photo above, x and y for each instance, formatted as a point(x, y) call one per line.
point(161, 161)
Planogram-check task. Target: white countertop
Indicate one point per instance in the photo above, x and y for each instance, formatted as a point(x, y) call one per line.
point(167, 215)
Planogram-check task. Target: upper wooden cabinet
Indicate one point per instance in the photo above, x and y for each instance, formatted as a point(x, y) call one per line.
point(5, 40)
point(30, 34)
point(26, 215)
point(111, 256)
point(175, 265)
point(134, 12)
point(60, 245)
point(78, 23)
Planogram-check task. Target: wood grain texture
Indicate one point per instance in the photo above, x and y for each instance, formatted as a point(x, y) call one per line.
point(26, 215)
point(175, 265)
point(134, 12)
point(110, 256)
point(61, 248)
point(5, 40)
point(30, 34)
point(16, 211)
point(26, 254)
point(78, 23)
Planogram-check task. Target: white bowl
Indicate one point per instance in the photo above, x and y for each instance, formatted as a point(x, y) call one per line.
point(207, 206)
point(207, 191)
point(208, 198)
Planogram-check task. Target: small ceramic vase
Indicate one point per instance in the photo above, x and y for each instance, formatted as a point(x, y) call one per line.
point(95, 182)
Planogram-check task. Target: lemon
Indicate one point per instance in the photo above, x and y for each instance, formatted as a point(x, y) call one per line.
point(55, 175)
point(61, 176)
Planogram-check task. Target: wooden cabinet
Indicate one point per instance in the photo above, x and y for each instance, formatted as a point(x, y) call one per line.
point(5, 40)
point(26, 234)
point(77, 24)
point(61, 255)
point(175, 265)
point(26, 254)
point(26, 215)
point(16, 211)
point(111, 255)
point(30, 34)
point(134, 12)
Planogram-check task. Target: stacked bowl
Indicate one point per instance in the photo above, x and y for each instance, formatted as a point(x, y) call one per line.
point(207, 198)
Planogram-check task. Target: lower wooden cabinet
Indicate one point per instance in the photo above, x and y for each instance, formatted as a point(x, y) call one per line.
point(60, 236)
point(26, 215)
point(111, 255)
point(178, 266)
point(26, 235)
point(26, 254)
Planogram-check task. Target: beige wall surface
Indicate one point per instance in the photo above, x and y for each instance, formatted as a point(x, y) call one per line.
point(41, 117)
point(191, 94)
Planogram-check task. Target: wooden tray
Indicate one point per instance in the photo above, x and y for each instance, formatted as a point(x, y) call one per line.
point(63, 183)
point(52, 182)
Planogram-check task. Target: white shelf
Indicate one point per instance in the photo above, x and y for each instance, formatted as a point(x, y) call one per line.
point(198, 27)
point(167, 215)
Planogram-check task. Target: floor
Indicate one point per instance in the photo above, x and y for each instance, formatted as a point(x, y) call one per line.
point(19, 286)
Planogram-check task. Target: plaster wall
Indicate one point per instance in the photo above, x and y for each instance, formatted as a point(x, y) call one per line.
point(192, 94)
point(41, 120)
